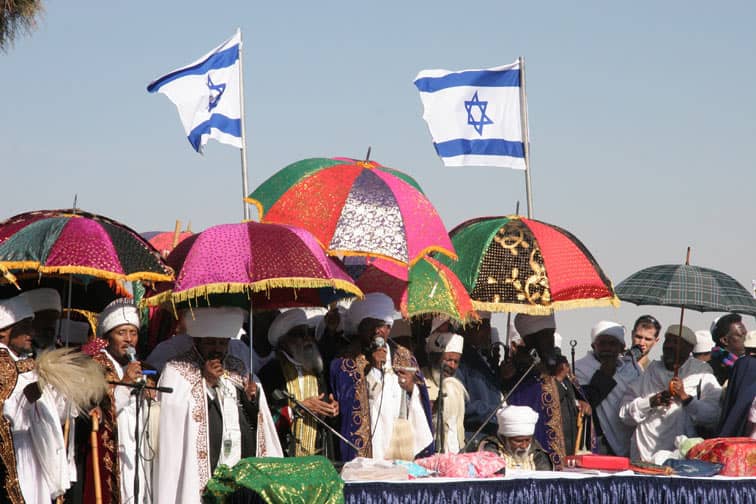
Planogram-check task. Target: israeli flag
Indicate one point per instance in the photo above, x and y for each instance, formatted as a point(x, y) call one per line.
point(474, 115)
point(207, 95)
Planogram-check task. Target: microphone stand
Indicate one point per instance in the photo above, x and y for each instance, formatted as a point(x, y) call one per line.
point(488, 418)
point(304, 408)
point(440, 412)
point(139, 388)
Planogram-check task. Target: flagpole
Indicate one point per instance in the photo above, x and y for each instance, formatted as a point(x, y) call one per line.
point(245, 187)
point(525, 135)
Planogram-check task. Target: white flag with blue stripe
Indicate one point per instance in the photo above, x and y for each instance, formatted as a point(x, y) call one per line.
point(207, 95)
point(474, 115)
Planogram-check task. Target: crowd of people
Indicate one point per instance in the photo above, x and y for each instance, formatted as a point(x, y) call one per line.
point(350, 381)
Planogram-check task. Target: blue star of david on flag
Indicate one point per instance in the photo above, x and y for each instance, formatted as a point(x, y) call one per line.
point(481, 105)
point(486, 99)
point(216, 91)
point(207, 95)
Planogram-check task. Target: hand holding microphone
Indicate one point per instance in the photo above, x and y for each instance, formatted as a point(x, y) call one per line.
point(133, 372)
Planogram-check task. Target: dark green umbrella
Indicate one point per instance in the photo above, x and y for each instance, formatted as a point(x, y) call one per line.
point(686, 286)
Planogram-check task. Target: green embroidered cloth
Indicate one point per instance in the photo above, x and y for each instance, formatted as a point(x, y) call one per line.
point(301, 480)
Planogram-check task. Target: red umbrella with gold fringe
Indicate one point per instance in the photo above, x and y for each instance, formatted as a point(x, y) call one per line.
point(515, 264)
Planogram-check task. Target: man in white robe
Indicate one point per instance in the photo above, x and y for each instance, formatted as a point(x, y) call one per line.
point(604, 375)
point(661, 407)
point(41, 464)
point(444, 351)
point(207, 419)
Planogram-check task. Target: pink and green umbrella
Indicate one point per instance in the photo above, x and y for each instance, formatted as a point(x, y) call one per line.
point(427, 287)
point(269, 265)
point(61, 242)
point(354, 208)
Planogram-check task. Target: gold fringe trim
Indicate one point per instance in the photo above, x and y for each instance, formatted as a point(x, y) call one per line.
point(258, 204)
point(247, 288)
point(89, 315)
point(141, 276)
point(10, 277)
point(434, 248)
point(587, 303)
point(548, 309)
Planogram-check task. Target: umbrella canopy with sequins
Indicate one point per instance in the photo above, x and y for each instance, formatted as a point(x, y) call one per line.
point(354, 208)
point(62, 242)
point(514, 264)
point(269, 265)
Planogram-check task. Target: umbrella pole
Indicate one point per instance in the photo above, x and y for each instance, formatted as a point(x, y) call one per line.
point(176, 234)
point(96, 456)
point(679, 335)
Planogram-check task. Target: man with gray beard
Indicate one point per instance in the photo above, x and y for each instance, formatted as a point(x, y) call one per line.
point(298, 371)
point(514, 441)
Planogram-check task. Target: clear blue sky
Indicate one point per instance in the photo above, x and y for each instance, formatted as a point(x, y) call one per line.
point(642, 116)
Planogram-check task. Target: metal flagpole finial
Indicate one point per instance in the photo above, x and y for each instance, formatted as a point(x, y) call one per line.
point(76, 197)
point(367, 156)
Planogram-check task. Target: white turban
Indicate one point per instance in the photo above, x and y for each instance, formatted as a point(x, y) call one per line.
point(119, 312)
point(557, 340)
point(14, 310)
point(444, 342)
point(607, 328)
point(375, 305)
point(531, 324)
point(222, 322)
point(42, 299)
point(704, 342)
point(687, 333)
point(516, 421)
point(285, 322)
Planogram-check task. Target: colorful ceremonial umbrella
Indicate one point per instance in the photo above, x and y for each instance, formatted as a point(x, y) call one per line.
point(165, 241)
point(426, 287)
point(58, 242)
point(514, 264)
point(270, 265)
point(354, 208)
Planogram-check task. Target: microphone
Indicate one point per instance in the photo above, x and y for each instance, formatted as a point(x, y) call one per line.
point(635, 352)
point(377, 344)
point(280, 395)
point(131, 354)
point(533, 354)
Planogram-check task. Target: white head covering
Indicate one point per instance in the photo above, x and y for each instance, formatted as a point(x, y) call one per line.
point(531, 324)
point(704, 342)
point(687, 334)
point(438, 321)
point(444, 342)
point(119, 312)
point(78, 332)
point(516, 421)
point(376, 305)
point(285, 322)
point(608, 328)
point(14, 310)
point(557, 340)
point(221, 322)
point(42, 299)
